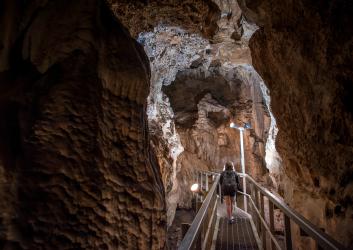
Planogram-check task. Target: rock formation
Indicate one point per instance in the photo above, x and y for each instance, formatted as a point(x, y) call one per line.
point(97, 149)
point(198, 16)
point(169, 49)
point(304, 53)
point(75, 168)
point(215, 97)
point(189, 132)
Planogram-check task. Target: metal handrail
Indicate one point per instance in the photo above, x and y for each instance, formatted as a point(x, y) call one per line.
point(210, 172)
point(322, 238)
point(190, 237)
point(313, 231)
point(262, 220)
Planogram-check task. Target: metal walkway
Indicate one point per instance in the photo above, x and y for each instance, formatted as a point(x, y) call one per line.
point(252, 230)
point(236, 236)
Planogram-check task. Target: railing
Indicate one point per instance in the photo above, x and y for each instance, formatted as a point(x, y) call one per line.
point(203, 179)
point(200, 233)
point(266, 229)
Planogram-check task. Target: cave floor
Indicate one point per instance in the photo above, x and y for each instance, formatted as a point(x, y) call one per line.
point(236, 236)
point(174, 232)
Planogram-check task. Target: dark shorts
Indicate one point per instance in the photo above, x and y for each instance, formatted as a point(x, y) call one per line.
point(229, 191)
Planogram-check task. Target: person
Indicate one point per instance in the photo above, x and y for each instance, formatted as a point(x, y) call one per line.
point(229, 181)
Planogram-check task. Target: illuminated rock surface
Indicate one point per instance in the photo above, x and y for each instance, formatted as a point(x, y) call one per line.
point(304, 53)
point(100, 135)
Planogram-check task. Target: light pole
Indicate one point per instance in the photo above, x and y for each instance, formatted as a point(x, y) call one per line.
point(242, 160)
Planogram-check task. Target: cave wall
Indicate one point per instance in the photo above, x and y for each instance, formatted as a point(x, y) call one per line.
point(205, 100)
point(191, 64)
point(170, 49)
point(75, 166)
point(304, 53)
point(73, 99)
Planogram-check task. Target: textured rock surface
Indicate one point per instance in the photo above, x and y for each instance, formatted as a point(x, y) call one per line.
point(304, 53)
point(198, 16)
point(206, 34)
point(170, 49)
point(75, 168)
point(215, 96)
point(188, 131)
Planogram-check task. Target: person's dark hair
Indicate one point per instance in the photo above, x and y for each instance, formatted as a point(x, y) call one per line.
point(228, 166)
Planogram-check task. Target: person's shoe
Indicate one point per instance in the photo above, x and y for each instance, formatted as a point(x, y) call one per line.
point(231, 220)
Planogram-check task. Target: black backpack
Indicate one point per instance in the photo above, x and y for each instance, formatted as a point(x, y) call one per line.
point(229, 179)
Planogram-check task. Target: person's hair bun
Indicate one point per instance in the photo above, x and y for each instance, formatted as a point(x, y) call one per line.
point(229, 166)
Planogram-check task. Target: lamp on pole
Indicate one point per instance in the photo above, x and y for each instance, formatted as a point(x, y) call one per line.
point(242, 160)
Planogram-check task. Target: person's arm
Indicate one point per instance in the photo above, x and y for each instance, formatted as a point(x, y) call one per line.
point(238, 182)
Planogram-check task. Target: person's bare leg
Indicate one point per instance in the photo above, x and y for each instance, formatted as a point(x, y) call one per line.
point(227, 200)
point(231, 200)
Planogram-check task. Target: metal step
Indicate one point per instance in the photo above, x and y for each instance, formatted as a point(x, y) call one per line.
point(235, 236)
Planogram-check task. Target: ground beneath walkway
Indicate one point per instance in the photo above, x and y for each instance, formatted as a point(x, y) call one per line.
point(174, 236)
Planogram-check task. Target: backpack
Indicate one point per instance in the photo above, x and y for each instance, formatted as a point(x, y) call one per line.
point(229, 180)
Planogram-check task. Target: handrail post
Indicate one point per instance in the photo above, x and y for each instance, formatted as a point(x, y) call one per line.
point(206, 182)
point(287, 233)
point(272, 224)
point(250, 191)
point(220, 191)
point(201, 181)
point(252, 194)
point(258, 225)
point(263, 231)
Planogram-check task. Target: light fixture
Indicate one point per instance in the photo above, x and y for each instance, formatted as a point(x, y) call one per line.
point(232, 125)
point(194, 187)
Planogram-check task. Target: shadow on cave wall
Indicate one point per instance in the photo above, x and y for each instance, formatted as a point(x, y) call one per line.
point(76, 170)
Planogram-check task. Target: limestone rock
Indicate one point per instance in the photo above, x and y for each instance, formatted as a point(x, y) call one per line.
point(76, 170)
point(304, 53)
point(185, 67)
point(198, 16)
point(167, 57)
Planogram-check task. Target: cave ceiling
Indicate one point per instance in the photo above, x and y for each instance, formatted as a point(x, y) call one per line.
point(189, 88)
point(193, 15)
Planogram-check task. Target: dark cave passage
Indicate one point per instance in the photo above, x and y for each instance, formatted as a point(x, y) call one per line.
point(111, 109)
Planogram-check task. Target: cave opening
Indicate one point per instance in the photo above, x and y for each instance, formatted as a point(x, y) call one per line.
point(125, 102)
point(198, 87)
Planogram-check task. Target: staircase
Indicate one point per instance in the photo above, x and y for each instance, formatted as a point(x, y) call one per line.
point(251, 229)
point(238, 235)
